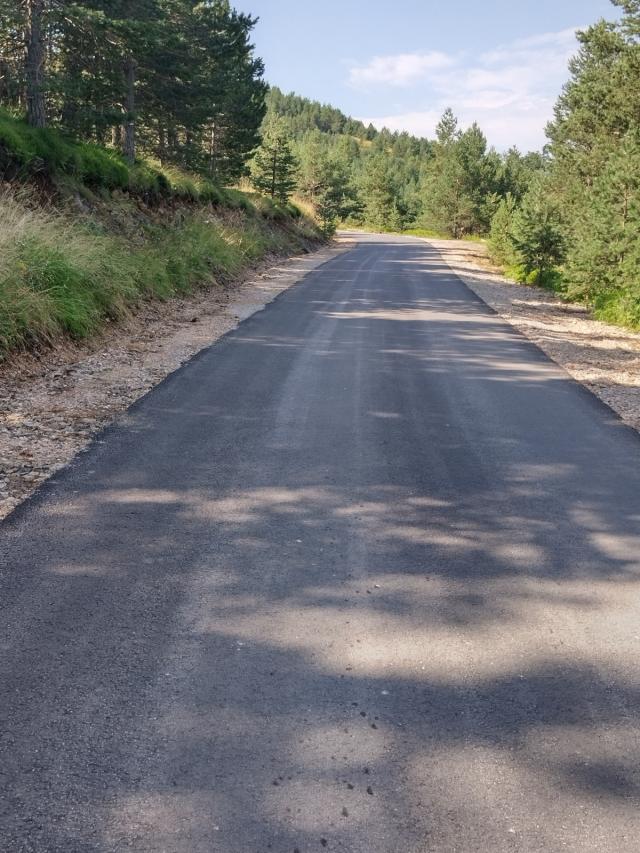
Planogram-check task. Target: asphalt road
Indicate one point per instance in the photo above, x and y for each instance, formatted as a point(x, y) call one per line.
point(363, 576)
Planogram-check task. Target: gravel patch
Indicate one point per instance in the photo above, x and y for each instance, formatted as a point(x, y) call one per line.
point(54, 402)
point(604, 358)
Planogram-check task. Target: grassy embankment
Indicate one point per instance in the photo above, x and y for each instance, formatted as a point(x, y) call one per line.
point(84, 238)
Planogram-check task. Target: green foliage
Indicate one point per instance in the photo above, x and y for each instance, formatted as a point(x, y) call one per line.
point(303, 115)
point(536, 233)
point(273, 170)
point(394, 181)
point(501, 244)
point(462, 189)
point(172, 79)
point(380, 195)
point(603, 265)
point(595, 167)
point(28, 151)
point(324, 181)
point(60, 277)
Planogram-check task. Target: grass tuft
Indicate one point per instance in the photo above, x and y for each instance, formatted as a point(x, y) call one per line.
point(60, 276)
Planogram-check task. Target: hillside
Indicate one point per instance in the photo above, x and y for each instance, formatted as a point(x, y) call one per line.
point(85, 238)
point(450, 185)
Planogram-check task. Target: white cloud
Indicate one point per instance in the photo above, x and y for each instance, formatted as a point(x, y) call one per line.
point(510, 91)
point(400, 70)
point(561, 45)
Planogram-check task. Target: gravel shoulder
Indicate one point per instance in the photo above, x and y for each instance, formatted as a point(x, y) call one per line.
point(604, 358)
point(53, 403)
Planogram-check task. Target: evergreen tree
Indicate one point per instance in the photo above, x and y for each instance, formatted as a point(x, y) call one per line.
point(501, 243)
point(273, 171)
point(604, 258)
point(335, 197)
point(537, 232)
point(455, 186)
point(447, 132)
point(594, 154)
point(175, 78)
point(380, 195)
point(12, 27)
point(35, 60)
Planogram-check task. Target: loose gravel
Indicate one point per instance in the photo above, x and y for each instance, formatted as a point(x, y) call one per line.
point(604, 358)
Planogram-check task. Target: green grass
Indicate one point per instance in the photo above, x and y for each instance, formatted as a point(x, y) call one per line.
point(146, 231)
point(64, 277)
point(28, 154)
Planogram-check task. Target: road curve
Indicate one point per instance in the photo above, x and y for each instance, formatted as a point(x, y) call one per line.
point(363, 576)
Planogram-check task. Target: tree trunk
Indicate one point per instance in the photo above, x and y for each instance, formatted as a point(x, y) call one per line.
point(35, 56)
point(162, 144)
point(212, 150)
point(129, 147)
point(172, 140)
point(273, 174)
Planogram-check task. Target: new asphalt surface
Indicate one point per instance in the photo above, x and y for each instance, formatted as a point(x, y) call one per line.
point(363, 576)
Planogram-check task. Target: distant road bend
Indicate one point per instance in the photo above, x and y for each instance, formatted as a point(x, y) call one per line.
point(364, 576)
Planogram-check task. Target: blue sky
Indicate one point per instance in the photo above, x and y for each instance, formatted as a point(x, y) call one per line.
point(401, 62)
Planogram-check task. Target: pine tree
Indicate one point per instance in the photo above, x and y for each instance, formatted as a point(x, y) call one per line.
point(380, 195)
point(604, 259)
point(537, 232)
point(501, 245)
point(335, 196)
point(594, 149)
point(447, 207)
point(447, 129)
point(173, 78)
point(273, 170)
point(35, 62)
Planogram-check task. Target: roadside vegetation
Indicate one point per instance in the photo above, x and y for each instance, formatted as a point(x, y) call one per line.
point(577, 229)
point(66, 275)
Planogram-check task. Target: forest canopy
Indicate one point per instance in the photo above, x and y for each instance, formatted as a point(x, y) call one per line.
point(173, 79)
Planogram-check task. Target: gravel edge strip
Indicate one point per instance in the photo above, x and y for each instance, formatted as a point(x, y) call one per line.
point(603, 358)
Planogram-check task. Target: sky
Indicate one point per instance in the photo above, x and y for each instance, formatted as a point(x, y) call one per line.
point(400, 63)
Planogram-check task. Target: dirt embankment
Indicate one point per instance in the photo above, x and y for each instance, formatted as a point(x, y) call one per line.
point(51, 406)
point(604, 358)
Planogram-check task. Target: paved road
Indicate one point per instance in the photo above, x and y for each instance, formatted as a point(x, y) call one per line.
point(362, 577)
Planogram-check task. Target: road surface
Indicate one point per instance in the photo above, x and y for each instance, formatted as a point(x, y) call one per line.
point(363, 576)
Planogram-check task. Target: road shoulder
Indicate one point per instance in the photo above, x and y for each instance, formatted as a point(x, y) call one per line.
point(603, 358)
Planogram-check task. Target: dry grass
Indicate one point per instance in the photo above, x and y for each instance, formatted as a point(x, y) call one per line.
point(66, 276)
